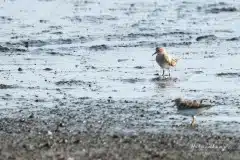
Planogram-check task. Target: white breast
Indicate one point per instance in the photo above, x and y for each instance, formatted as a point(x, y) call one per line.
point(162, 62)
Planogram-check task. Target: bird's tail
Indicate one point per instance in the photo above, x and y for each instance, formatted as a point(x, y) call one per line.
point(174, 62)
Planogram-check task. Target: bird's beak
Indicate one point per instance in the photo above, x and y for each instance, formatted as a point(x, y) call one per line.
point(154, 53)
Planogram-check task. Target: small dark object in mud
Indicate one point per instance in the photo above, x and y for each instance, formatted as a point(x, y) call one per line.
point(208, 37)
point(42, 21)
point(31, 115)
point(47, 69)
point(139, 67)
point(224, 9)
point(61, 124)
point(20, 69)
point(122, 60)
point(22, 120)
point(115, 136)
point(45, 145)
point(99, 47)
point(26, 44)
point(53, 53)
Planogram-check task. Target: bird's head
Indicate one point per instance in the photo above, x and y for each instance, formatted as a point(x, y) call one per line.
point(177, 101)
point(160, 50)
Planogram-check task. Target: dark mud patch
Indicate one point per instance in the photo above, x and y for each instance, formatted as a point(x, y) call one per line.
point(229, 75)
point(55, 27)
point(139, 67)
point(132, 80)
point(99, 47)
point(154, 44)
point(122, 60)
point(233, 39)
point(41, 43)
point(5, 86)
point(62, 41)
point(18, 37)
point(73, 82)
point(216, 8)
point(220, 10)
point(118, 146)
point(47, 69)
point(198, 72)
point(89, 67)
point(99, 19)
point(4, 49)
point(224, 31)
point(206, 37)
point(74, 19)
point(134, 36)
point(176, 44)
point(209, 56)
point(164, 79)
point(156, 35)
point(5, 19)
point(12, 49)
point(85, 85)
point(35, 43)
point(57, 33)
point(54, 53)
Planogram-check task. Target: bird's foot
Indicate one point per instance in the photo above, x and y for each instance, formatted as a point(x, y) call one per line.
point(193, 125)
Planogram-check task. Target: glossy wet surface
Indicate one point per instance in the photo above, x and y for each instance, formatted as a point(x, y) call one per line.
point(73, 54)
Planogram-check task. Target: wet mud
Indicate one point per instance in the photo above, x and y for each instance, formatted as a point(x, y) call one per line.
point(78, 81)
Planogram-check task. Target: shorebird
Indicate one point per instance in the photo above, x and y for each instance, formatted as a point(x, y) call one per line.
point(164, 60)
point(191, 108)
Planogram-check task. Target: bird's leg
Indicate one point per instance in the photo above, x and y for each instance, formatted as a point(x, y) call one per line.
point(163, 73)
point(169, 72)
point(193, 121)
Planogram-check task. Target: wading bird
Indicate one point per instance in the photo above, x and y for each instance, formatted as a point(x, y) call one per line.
point(164, 60)
point(191, 108)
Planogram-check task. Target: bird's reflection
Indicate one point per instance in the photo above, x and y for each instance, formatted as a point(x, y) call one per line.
point(164, 82)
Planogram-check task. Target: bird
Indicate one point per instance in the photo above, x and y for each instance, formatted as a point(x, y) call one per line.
point(191, 107)
point(164, 60)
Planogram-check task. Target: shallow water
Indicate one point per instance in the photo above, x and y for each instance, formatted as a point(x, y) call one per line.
point(102, 49)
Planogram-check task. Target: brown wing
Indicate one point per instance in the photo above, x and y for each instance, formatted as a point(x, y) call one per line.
point(192, 105)
point(170, 60)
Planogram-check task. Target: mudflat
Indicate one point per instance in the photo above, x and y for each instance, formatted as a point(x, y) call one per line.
point(78, 80)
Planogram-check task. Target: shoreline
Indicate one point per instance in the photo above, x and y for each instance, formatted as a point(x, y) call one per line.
point(32, 136)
